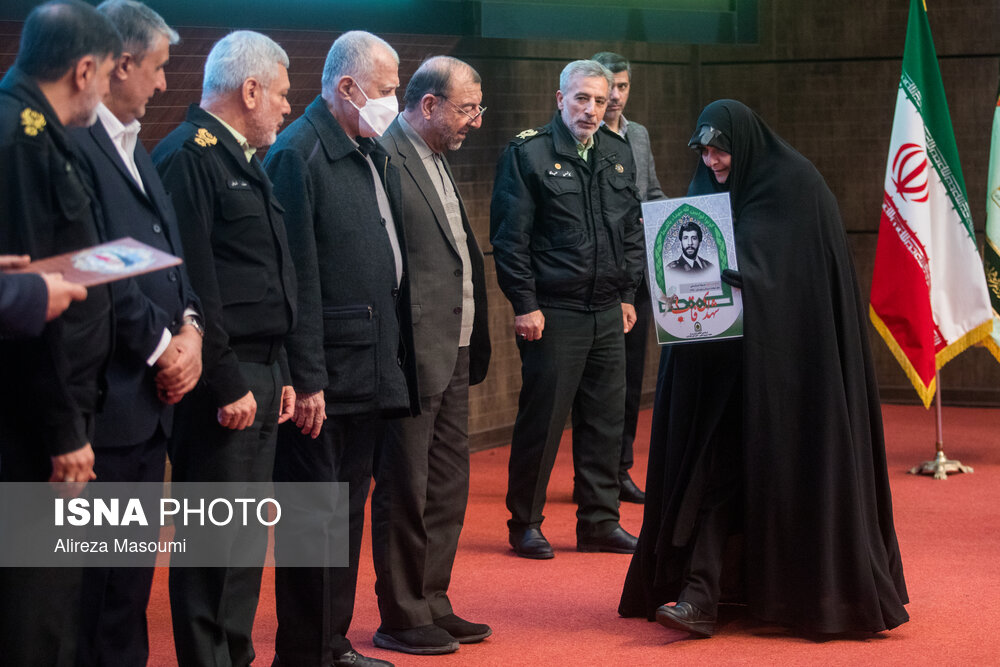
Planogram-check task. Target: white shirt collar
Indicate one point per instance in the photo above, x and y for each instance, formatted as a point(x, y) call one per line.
point(116, 130)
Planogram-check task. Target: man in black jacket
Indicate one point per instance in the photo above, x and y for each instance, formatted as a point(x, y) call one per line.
point(237, 256)
point(351, 357)
point(568, 249)
point(158, 321)
point(51, 388)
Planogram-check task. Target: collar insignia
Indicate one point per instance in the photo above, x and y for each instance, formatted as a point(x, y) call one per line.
point(33, 122)
point(205, 138)
point(527, 133)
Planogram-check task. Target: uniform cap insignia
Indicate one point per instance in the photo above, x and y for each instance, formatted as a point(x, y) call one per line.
point(33, 122)
point(527, 133)
point(205, 138)
point(557, 165)
point(619, 168)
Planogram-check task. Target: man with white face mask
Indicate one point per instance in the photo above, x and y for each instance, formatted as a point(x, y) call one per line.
point(351, 355)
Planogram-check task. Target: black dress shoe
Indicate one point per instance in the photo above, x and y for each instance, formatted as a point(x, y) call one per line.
point(628, 492)
point(531, 544)
point(422, 640)
point(617, 542)
point(686, 617)
point(354, 659)
point(462, 630)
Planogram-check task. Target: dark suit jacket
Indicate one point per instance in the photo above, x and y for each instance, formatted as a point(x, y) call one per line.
point(436, 273)
point(234, 242)
point(23, 304)
point(354, 339)
point(680, 265)
point(144, 306)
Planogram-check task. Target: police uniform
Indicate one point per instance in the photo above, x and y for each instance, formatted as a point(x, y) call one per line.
point(48, 396)
point(567, 241)
point(237, 258)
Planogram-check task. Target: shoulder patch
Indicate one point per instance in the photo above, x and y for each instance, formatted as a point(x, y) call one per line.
point(204, 138)
point(528, 134)
point(32, 121)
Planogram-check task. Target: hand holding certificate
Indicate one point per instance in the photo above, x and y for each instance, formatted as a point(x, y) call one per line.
point(104, 263)
point(689, 243)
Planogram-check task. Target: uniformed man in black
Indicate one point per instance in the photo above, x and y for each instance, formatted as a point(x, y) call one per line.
point(567, 242)
point(51, 383)
point(237, 256)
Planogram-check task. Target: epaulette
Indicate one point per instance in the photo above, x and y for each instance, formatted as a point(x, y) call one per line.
point(33, 122)
point(529, 134)
point(204, 138)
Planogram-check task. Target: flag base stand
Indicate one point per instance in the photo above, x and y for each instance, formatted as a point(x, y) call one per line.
point(940, 466)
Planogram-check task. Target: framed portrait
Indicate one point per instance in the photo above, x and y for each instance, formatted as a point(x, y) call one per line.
point(689, 242)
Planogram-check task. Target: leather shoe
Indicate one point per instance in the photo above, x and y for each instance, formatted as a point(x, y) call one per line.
point(617, 542)
point(464, 631)
point(628, 492)
point(531, 544)
point(422, 640)
point(686, 617)
point(354, 659)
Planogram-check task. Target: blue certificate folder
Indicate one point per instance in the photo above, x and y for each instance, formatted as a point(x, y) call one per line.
point(689, 242)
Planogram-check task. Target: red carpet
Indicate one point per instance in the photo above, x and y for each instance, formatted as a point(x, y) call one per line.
point(563, 611)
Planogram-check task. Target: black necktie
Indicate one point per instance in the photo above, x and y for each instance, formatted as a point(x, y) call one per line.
point(365, 145)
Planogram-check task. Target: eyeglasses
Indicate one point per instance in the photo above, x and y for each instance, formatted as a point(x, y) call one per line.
point(472, 118)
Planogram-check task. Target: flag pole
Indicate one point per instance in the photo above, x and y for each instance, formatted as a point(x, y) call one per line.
point(941, 465)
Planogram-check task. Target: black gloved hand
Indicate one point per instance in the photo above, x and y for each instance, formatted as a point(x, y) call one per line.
point(733, 278)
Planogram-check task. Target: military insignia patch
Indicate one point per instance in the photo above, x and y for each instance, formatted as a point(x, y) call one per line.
point(527, 133)
point(205, 138)
point(620, 169)
point(32, 121)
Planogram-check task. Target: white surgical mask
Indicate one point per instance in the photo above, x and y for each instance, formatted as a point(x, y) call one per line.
point(377, 114)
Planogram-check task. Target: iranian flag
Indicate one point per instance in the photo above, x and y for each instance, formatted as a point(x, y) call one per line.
point(929, 299)
point(991, 253)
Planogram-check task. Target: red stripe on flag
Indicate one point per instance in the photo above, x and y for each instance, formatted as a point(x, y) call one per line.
point(900, 293)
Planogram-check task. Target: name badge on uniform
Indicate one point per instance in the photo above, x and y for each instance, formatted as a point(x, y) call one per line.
point(238, 184)
point(560, 172)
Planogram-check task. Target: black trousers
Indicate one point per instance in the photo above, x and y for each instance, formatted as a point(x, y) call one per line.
point(578, 364)
point(635, 365)
point(418, 506)
point(113, 630)
point(213, 608)
point(39, 607)
point(315, 605)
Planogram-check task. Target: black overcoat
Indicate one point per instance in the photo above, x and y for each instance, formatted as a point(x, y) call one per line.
point(796, 400)
point(354, 339)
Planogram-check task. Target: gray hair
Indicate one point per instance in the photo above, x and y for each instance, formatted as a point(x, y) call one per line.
point(351, 55)
point(434, 77)
point(239, 56)
point(138, 25)
point(584, 68)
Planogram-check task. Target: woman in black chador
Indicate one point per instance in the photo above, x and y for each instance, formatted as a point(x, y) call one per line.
point(777, 436)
